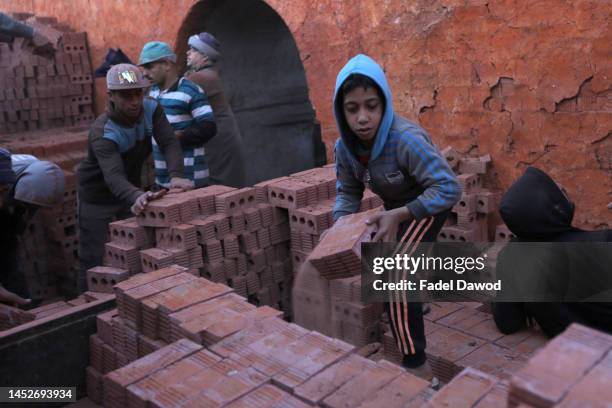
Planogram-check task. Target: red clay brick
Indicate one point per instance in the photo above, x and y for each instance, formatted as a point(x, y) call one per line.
point(103, 278)
point(268, 396)
point(464, 390)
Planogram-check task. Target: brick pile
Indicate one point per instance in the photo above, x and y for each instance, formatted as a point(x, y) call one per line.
point(470, 216)
point(461, 335)
point(574, 369)
point(40, 93)
point(267, 362)
point(156, 308)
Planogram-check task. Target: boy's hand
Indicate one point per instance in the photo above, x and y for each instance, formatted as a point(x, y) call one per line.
point(141, 202)
point(388, 223)
point(181, 183)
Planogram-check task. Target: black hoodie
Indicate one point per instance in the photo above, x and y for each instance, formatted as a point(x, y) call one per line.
point(535, 209)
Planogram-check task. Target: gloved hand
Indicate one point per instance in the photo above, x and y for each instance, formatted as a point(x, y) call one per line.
point(141, 202)
point(181, 183)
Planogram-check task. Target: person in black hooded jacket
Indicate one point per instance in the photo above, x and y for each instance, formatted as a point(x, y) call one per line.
point(552, 267)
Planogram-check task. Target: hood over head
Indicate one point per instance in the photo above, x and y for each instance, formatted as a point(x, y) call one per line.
point(534, 207)
point(39, 182)
point(364, 65)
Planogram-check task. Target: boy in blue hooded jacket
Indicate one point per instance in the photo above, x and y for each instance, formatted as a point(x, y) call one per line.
point(400, 163)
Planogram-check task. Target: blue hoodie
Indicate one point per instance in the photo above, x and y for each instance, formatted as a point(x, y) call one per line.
point(405, 167)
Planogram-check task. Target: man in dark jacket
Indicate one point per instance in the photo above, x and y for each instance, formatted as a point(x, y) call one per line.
point(551, 261)
point(29, 185)
point(120, 141)
point(224, 152)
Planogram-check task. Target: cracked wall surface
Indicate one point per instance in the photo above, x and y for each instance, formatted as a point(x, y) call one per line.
point(528, 82)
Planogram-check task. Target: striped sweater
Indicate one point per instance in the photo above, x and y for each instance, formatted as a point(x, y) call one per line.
point(184, 104)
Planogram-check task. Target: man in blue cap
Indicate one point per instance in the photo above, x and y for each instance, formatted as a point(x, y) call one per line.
point(187, 109)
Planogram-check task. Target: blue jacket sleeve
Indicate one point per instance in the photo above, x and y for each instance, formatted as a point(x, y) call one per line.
point(11, 28)
point(349, 189)
point(421, 159)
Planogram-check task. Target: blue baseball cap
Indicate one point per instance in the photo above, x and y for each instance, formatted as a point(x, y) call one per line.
point(155, 51)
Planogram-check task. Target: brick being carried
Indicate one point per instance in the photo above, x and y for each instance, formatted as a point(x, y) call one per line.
point(130, 233)
point(466, 389)
point(133, 298)
point(205, 229)
point(290, 193)
point(115, 383)
point(338, 254)
point(156, 309)
point(558, 367)
point(453, 157)
point(153, 259)
point(252, 217)
point(103, 278)
point(212, 251)
point(122, 256)
point(266, 214)
point(164, 212)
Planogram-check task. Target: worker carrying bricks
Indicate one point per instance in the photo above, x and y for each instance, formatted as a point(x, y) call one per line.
point(398, 161)
point(119, 142)
point(224, 152)
point(26, 184)
point(187, 109)
point(538, 210)
point(11, 29)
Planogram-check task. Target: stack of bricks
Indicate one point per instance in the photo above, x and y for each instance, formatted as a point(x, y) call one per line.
point(44, 93)
point(230, 236)
point(470, 216)
point(162, 306)
point(461, 335)
point(574, 369)
point(327, 296)
point(267, 363)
